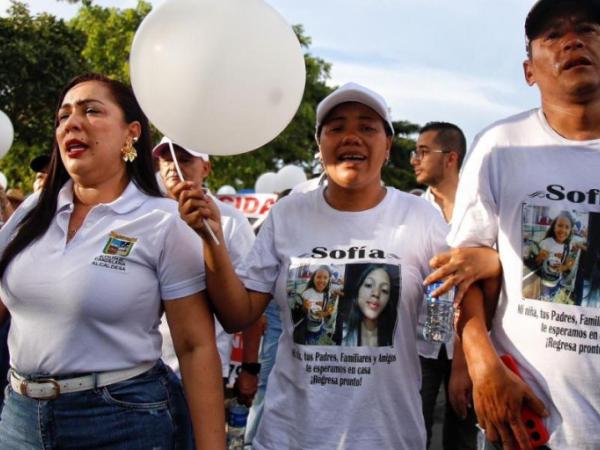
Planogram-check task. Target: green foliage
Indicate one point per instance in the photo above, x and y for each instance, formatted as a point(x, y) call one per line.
point(39, 54)
point(44, 52)
point(398, 172)
point(109, 33)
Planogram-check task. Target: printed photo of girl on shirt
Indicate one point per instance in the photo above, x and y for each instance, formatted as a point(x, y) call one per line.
point(369, 309)
point(557, 255)
point(313, 292)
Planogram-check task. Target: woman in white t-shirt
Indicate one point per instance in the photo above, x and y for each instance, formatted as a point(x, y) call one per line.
point(87, 267)
point(318, 392)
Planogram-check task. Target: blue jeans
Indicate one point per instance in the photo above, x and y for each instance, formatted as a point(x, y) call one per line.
point(268, 351)
point(145, 412)
point(4, 357)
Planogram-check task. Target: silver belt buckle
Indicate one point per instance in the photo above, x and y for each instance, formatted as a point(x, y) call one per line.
point(23, 388)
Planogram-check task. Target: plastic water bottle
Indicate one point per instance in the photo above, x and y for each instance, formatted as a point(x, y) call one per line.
point(440, 314)
point(236, 425)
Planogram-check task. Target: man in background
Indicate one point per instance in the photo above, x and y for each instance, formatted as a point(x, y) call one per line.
point(239, 237)
point(40, 165)
point(440, 150)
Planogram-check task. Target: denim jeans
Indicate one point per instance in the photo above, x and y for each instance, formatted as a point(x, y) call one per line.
point(145, 412)
point(4, 358)
point(268, 351)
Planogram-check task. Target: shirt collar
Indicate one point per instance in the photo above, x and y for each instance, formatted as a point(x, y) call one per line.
point(130, 199)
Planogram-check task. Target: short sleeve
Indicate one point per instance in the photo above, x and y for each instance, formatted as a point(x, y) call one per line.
point(475, 216)
point(260, 268)
point(181, 263)
point(8, 230)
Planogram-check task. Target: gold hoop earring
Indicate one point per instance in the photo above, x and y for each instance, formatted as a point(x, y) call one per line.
point(128, 151)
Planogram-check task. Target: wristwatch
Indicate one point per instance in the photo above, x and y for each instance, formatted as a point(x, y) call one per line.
point(251, 368)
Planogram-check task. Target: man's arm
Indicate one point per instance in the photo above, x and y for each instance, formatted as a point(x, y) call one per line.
point(247, 381)
point(498, 394)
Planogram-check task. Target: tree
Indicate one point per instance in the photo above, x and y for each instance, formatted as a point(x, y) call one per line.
point(39, 54)
point(46, 52)
point(398, 172)
point(109, 33)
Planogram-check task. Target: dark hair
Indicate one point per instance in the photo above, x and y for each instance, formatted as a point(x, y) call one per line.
point(386, 321)
point(448, 136)
point(551, 233)
point(311, 283)
point(141, 172)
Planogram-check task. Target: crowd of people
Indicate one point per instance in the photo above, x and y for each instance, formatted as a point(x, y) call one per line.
point(122, 277)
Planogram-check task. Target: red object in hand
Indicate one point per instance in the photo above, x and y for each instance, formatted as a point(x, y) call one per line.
point(537, 432)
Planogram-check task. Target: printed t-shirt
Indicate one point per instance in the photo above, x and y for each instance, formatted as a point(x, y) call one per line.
point(329, 394)
point(238, 236)
point(519, 176)
point(93, 304)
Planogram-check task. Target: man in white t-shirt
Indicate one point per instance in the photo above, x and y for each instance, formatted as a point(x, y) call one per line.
point(439, 153)
point(522, 174)
point(195, 166)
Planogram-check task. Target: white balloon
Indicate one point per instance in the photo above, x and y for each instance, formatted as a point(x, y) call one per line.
point(288, 177)
point(3, 181)
point(265, 184)
point(226, 190)
point(219, 76)
point(7, 133)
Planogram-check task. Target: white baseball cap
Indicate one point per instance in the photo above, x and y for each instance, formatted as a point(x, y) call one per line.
point(354, 92)
point(164, 145)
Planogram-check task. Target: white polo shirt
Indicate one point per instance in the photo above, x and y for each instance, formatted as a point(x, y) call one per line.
point(239, 237)
point(94, 303)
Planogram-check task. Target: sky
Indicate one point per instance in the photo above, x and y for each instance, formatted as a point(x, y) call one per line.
point(458, 61)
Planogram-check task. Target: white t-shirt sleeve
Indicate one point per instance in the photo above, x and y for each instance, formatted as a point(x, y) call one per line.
point(437, 234)
point(260, 269)
point(239, 238)
point(181, 263)
point(475, 217)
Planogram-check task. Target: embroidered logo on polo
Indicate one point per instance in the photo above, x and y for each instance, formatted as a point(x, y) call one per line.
point(118, 245)
point(115, 251)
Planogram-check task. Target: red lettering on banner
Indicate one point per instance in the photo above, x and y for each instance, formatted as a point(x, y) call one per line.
point(267, 206)
point(228, 199)
point(250, 205)
point(253, 206)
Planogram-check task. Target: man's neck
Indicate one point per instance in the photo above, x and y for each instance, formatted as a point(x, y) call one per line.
point(574, 121)
point(444, 193)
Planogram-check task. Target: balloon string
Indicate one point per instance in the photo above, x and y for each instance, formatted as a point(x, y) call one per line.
point(180, 174)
